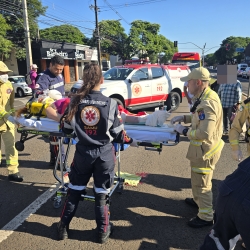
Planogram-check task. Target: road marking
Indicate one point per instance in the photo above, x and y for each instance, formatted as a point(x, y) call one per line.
point(9, 228)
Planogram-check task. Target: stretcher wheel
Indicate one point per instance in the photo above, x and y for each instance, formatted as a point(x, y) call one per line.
point(19, 146)
point(57, 203)
point(120, 189)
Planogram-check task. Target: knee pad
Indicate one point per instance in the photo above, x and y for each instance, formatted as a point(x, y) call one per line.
point(101, 199)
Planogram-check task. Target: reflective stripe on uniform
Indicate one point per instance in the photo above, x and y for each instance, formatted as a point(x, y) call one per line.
point(196, 142)
point(57, 85)
point(201, 170)
point(214, 150)
point(54, 143)
point(193, 133)
point(2, 114)
point(12, 162)
point(207, 210)
point(234, 142)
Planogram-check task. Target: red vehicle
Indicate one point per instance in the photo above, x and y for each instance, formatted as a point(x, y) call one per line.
point(191, 59)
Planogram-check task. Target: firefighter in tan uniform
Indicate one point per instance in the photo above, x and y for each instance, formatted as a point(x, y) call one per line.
point(7, 128)
point(205, 143)
point(242, 116)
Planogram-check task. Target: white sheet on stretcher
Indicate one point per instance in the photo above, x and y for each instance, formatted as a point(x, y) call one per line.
point(139, 132)
point(146, 133)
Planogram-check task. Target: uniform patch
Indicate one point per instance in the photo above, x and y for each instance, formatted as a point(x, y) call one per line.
point(90, 115)
point(241, 108)
point(201, 114)
point(8, 91)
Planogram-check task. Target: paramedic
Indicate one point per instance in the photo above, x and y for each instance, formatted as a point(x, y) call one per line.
point(7, 128)
point(232, 211)
point(52, 79)
point(97, 123)
point(242, 116)
point(205, 143)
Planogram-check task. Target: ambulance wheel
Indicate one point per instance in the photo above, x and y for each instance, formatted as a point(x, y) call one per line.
point(119, 102)
point(173, 101)
point(57, 203)
point(19, 146)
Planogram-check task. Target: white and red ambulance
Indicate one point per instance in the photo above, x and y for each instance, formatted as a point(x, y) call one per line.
point(138, 85)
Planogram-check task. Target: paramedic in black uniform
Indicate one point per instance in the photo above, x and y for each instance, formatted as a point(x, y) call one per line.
point(96, 122)
point(52, 79)
point(232, 211)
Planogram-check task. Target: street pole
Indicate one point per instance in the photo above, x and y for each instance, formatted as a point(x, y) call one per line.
point(27, 36)
point(203, 54)
point(98, 36)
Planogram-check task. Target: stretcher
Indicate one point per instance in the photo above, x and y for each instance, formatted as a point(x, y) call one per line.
point(46, 127)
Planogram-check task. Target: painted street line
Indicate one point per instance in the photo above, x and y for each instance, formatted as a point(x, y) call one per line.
point(9, 228)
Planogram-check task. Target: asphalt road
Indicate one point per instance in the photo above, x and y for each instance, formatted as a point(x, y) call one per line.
point(152, 215)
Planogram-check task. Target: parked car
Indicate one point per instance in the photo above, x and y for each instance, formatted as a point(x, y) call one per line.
point(20, 86)
point(246, 73)
point(240, 70)
point(137, 86)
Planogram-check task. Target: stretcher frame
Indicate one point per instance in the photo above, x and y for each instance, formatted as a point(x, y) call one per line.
point(65, 169)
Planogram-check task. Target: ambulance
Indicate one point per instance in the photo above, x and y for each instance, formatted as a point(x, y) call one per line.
point(138, 84)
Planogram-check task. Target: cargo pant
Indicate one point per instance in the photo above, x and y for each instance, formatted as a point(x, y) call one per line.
point(232, 211)
point(11, 154)
point(201, 182)
point(100, 163)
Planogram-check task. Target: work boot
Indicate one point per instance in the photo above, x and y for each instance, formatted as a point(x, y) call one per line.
point(62, 231)
point(191, 202)
point(196, 222)
point(103, 237)
point(15, 177)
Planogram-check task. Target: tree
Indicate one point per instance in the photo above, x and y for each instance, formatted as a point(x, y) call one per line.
point(210, 59)
point(143, 37)
point(17, 34)
point(5, 44)
point(63, 33)
point(146, 41)
point(114, 40)
point(222, 55)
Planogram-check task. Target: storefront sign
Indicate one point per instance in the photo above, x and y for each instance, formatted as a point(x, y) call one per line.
point(80, 54)
point(70, 54)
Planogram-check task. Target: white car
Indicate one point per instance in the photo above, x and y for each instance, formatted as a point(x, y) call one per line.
point(20, 86)
point(139, 86)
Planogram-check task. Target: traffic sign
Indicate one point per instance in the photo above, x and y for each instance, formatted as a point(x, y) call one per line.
point(239, 49)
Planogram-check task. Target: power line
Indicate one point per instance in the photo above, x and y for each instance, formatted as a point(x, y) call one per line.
point(132, 4)
point(110, 6)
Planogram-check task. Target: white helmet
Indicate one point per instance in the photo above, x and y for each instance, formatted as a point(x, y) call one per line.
point(55, 94)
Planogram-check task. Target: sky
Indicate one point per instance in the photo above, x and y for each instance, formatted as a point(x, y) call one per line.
point(193, 23)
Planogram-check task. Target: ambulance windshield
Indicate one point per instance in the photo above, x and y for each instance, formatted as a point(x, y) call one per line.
point(117, 73)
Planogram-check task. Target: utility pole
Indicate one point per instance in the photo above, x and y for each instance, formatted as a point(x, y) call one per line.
point(203, 55)
point(27, 36)
point(97, 35)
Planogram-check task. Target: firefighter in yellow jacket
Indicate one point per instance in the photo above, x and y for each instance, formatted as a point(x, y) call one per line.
point(205, 143)
point(7, 128)
point(242, 116)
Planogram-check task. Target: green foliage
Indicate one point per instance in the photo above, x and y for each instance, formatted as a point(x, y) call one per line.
point(63, 33)
point(222, 55)
point(146, 41)
point(5, 44)
point(114, 40)
point(210, 59)
point(17, 33)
